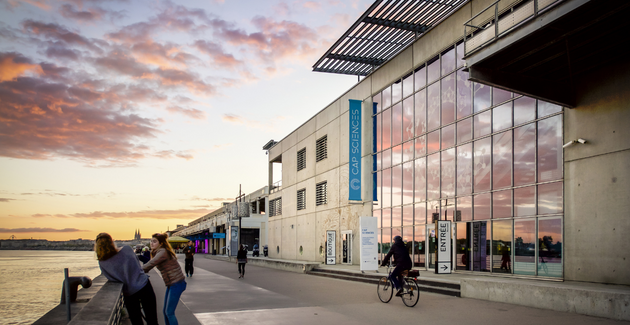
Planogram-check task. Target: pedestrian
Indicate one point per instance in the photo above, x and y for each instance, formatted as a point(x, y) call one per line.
point(163, 257)
point(241, 260)
point(121, 265)
point(188, 261)
point(505, 261)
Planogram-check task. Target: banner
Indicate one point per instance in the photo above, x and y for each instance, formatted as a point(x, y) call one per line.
point(369, 244)
point(355, 150)
point(331, 254)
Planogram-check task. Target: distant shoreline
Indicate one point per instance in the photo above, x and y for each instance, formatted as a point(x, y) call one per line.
point(70, 245)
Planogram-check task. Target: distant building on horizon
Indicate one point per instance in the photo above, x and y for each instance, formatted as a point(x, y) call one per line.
point(137, 235)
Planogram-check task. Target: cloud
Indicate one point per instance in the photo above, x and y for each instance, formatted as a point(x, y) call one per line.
point(268, 125)
point(26, 230)
point(190, 112)
point(4, 200)
point(57, 32)
point(167, 154)
point(216, 199)
point(13, 65)
point(218, 55)
point(184, 214)
point(89, 15)
point(312, 5)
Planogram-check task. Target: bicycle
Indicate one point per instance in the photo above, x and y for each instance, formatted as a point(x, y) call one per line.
point(411, 291)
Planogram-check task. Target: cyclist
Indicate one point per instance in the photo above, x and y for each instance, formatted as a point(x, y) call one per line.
point(402, 261)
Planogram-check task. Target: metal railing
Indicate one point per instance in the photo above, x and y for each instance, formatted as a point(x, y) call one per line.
point(275, 187)
point(498, 19)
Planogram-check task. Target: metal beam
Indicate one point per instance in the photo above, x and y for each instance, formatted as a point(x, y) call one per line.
point(358, 59)
point(396, 24)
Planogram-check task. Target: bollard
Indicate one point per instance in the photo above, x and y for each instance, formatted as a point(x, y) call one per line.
point(73, 285)
point(66, 288)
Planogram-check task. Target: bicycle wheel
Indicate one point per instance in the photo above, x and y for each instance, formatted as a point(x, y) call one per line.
point(411, 294)
point(384, 290)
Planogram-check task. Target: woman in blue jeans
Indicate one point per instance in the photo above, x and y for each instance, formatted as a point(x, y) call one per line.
point(163, 257)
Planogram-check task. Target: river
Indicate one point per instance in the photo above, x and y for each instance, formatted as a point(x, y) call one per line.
point(30, 281)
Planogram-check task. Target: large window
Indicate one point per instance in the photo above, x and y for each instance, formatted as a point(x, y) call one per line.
point(491, 157)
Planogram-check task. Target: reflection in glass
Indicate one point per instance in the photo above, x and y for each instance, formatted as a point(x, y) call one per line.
point(377, 215)
point(396, 154)
point(378, 161)
point(433, 176)
point(397, 124)
point(464, 206)
point(433, 142)
point(379, 191)
point(419, 244)
point(448, 210)
point(420, 180)
point(448, 173)
point(387, 188)
point(407, 85)
point(377, 99)
point(550, 149)
point(420, 100)
point(448, 99)
point(524, 110)
point(502, 160)
point(420, 146)
point(482, 122)
point(408, 182)
point(407, 215)
point(386, 97)
point(482, 164)
point(433, 73)
point(408, 151)
point(379, 132)
point(396, 185)
point(464, 130)
point(502, 117)
point(525, 156)
point(387, 158)
point(387, 218)
point(448, 61)
point(420, 78)
point(482, 207)
point(550, 247)
point(464, 169)
point(396, 231)
point(420, 213)
point(387, 128)
point(464, 94)
point(407, 119)
point(386, 240)
point(462, 246)
point(550, 198)
point(432, 207)
point(525, 201)
point(481, 246)
point(431, 247)
point(481, 97)
point(396, 218)
point(500, 95)
point(433, 107)
point(396, 91)
point(502, 246)
point(379, 233)
point(448, 136)
point(460, 54)
point(502, 204)
point(545, 108)
point(525, 247)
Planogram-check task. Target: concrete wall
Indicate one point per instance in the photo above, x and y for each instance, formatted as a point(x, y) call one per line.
point(597, 179)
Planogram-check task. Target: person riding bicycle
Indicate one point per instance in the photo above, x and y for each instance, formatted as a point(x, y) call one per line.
point(402, 261)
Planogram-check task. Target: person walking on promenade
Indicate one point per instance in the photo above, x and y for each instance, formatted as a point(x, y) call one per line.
point(163, 257)
point(241, 260)
point(188, 261)
point(121, 265)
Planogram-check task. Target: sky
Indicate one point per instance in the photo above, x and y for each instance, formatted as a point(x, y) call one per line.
point(142, 114)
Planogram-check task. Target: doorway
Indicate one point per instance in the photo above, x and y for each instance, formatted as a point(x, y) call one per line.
point(431, 245)
point(346, 247)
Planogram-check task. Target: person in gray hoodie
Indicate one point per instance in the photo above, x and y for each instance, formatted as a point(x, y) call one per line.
point(121, 265)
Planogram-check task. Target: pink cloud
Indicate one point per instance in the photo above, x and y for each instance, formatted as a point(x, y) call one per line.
point(89, 15)
point(185, 214)
point(190, 112)
point(59, 33)
point(218, 56)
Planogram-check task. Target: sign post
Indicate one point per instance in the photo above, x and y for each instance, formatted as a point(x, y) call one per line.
point(444, 249)
point(369, 244)
point(331, 254)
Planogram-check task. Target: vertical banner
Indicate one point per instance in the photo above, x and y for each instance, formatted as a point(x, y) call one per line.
point(233, 240)
point(369, 244)
point(444, 243)
point(331, 256)
point(355, 150)
point(374, 149)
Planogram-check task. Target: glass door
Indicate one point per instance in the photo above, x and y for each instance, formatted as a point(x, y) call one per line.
point(346, 248)
point(432, 244)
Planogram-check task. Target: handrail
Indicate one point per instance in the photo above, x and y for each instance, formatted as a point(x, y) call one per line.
point(104, 308)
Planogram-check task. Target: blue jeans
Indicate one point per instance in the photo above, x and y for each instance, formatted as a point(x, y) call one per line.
point(171, 299)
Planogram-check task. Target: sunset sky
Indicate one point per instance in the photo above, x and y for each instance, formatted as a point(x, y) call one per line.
point(124, 115)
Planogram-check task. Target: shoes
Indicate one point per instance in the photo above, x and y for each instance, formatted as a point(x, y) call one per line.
point(186, 275)
point(240, 276)
point(400, 292)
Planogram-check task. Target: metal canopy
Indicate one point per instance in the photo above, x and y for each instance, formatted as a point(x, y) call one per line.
point(381, 32)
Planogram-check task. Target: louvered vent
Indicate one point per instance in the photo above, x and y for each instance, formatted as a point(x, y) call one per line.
point(275, 207)
point(301, 199)
point(322, 148)
point(321, 193)
point(301, 159)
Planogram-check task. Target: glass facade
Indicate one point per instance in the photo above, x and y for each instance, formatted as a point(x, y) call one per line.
point(487, 159)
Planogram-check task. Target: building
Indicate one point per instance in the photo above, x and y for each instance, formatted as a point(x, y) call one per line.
point(507, 118)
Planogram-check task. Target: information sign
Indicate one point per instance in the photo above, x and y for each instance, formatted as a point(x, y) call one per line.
point(444, 250)
point(369, 244)
point(331, 254)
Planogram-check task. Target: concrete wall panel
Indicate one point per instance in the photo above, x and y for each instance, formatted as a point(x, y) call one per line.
point(391, 71)
point(327, 115)
point(288, 250)
point(306, 238)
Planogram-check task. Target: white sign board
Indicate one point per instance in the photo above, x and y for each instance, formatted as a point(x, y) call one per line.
point(444, 251)
point(331, 255)
point(369, 244)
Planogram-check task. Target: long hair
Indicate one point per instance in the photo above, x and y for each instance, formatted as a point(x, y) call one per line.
point(104, 246)
point(162, 239)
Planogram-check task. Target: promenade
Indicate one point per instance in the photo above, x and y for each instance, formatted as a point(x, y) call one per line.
point(267, 295)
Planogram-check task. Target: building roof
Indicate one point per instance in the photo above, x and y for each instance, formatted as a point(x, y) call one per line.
point(381, 32)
